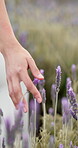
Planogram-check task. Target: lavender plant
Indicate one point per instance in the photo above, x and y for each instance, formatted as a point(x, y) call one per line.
point(73, 70)
point(58, 81)
point(56, 131)
point(53, 95)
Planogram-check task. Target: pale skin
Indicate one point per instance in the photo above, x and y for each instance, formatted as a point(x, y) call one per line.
point(17, 61)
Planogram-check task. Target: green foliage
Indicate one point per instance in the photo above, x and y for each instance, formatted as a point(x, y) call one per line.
point(72, 134)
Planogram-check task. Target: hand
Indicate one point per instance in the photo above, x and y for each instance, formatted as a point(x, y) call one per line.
point(17, 62)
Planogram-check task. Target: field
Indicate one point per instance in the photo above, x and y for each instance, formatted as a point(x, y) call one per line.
point(49, 31)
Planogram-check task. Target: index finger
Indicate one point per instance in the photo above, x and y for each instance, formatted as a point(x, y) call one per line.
point(30, 86)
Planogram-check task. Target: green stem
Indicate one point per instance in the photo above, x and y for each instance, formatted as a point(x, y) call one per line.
point(55, 115)
point(66, 128)
point(71, 123)
point(54, 104)
point(63, 132)
point(35, 123)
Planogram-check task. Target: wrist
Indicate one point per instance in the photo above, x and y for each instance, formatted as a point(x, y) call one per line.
point(8, 44)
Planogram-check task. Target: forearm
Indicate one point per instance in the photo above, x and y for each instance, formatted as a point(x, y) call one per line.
point(6, 31)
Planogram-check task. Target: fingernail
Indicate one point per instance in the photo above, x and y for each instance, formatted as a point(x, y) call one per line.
point(25, 110)
point(40, 76)
point(39, 100)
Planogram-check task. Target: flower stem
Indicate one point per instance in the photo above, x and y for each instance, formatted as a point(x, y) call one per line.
point(66, 128)
point(44, 113)
point(55, 116)
point(35, 123)
point(71, 120)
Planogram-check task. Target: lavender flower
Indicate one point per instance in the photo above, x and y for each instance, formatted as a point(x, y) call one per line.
point(35, 81)
point(51, 141)
point(65, 110)
point(58, 81)
point(52, 124)
point(41, 83)
point(53, 91)
point(58, 78)
point(51, 111)
point(42, 71)
point(10, 137)
point(71, 145)
point(73, 69)
point(68, 83)
point(73, 103)
point(43, 94)
point(73, 114)
point(65, 105)
point(17, 127)
point(32, 106)
point(38, 82)
point(61, 146)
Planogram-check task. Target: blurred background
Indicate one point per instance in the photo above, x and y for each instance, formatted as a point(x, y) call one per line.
point(48, 29)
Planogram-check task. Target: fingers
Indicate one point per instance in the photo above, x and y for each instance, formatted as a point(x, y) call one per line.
point(30, 86)
point(11, 93)
point(34, 69)
point(15, 93)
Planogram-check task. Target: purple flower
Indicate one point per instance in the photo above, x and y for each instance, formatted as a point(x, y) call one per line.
point(61, 146)
point(32, 106)
point(72, 99)
point(35, 81)
point(52, 124)
point(71, 145)
point(65, 105)
point(41, 84)
point(73, 69)
point(68, 83)
point(38, 82)
point(51, 141)
point(53, 91)
point(51, 111)
point(42, 71)
point(10, 137)
point(58, 77)
point(73, 114)
point(43, 94)
point(65, 110)
point(73, 103)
